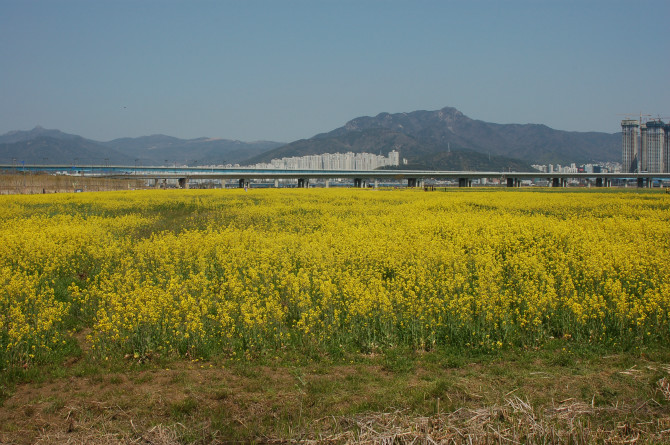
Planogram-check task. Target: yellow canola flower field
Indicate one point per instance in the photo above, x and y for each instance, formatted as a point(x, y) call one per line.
point(196, 273)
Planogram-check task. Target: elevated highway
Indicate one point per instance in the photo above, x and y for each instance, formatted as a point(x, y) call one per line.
point(412, 178)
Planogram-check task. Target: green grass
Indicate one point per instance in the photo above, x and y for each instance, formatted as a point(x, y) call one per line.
point(183, 408)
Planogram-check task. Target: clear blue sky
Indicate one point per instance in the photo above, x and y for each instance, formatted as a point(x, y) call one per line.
point(285, 70)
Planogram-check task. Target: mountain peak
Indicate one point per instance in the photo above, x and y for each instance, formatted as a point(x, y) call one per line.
point(449, 112)
point(37, 131)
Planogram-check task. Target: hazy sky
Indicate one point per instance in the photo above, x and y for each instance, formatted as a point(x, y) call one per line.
point(284, 70)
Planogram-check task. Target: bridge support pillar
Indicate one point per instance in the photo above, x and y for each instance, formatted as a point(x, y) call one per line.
point(376, 183)
point(555, 182)
point(599, 182)
point(411, 182)
point(183, 183)
point(276, 183)
point(511, 182)
point(303, 183)
point(358, 182)
point(650, 183)
point(464, 182)
point(327, 183)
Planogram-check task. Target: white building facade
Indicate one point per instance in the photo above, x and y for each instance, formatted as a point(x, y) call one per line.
point(335, 161)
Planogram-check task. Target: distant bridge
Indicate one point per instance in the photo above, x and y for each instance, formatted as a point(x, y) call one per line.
point(413, 178)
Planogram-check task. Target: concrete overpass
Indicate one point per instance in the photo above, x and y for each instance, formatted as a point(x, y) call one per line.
point(412, 178)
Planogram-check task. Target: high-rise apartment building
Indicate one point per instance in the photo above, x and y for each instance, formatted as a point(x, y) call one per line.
point(655, 147)
point(630, 160)
point(643, 155)
point(648, 152)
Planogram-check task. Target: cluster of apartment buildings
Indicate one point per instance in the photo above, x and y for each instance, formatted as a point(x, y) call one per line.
point(607, 167)
point(645, 146)
point(334, 161)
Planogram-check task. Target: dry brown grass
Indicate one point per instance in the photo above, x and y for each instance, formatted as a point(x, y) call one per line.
point(515, 422)
point(193, 403)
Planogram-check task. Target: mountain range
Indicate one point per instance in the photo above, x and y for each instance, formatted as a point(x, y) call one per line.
point(444, 139)
point(41, 145)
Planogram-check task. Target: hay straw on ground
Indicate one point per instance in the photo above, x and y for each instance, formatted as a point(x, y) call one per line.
point(515, 421)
